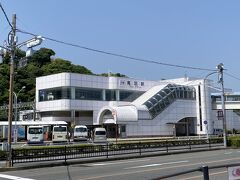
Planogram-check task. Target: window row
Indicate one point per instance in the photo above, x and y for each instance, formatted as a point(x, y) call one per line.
point(87, 94)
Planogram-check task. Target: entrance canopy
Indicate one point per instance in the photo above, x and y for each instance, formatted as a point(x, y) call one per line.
point(109, 121)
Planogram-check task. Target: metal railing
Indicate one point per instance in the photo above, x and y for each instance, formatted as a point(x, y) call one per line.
point(19, 105)
point(65, 153)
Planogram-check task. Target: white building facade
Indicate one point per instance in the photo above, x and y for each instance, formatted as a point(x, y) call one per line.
point(130, 107)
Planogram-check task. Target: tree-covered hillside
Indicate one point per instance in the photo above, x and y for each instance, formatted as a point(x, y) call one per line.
point(39, 64)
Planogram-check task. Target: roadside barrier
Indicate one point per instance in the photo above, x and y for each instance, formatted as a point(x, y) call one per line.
point(65, 153)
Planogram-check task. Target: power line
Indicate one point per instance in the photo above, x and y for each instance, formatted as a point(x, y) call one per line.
point(5, 15)
point(232, 76)
point(119, 55)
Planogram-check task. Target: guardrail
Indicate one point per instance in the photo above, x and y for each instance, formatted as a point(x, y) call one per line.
point(65, 153)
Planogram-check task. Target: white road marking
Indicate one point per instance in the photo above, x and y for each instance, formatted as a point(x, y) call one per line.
point(13, 177)
point(156, 169)
point(228, 153)
point(152, 165)
point(122, 162)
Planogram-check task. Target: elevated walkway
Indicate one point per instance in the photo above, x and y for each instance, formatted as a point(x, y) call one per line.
point(160, 97)
point(232, 101)
point(154, 101)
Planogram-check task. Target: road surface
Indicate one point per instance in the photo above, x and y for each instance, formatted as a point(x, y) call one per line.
point(135, 169)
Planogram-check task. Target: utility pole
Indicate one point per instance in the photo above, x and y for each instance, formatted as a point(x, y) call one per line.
point(10, 104)
point(220, 71)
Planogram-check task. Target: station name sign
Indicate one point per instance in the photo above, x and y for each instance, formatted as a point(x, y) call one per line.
point(131, 83)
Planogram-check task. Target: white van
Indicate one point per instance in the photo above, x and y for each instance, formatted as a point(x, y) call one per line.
point(80, 133)
point(99, 135)
point(59, 134)
point(34, 134)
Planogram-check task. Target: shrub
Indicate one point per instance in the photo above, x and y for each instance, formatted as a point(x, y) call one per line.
point(233, 141)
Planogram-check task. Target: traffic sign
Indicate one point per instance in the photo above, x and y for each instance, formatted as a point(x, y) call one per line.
point(205, 122)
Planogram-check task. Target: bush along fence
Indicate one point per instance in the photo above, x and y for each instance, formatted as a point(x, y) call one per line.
point(64, 153)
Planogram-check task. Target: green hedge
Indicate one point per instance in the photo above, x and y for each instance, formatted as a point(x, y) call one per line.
point(233, 141)
point(3, 155)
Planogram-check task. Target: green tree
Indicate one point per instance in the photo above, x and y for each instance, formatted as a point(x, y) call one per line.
point(39, 64)
point(112, 74)
point(59, 65)
point(4, 79)
point(41, 57)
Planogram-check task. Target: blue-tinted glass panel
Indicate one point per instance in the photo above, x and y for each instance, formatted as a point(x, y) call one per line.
point(55, 94)
point(129, 96)
point(88, 94)
point(110, 95)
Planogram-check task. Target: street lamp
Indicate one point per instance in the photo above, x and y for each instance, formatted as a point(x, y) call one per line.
point(204, 83)
point(220, 72)
point(16, 113)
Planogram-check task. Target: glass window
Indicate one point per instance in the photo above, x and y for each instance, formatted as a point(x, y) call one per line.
point(60, 129)
point(100, 132)
point(81, 129)
point(167, 91)
point(154, 101)
point(55, 94)
point(158, 97)
point(152, 112)
point(110, 95)
point(88, 94)
point(35, 130)
point(181, 93)
point(56, 114)
point(123, 128)
point(129, 96)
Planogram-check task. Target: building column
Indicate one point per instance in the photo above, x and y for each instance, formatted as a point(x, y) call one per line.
point(73, 117)
point(104, 95)
point(117, 95)
point(73, 93)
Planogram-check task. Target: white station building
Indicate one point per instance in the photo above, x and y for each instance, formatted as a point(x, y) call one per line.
point(133, 107)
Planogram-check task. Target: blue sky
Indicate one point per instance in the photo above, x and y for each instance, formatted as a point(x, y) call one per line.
point(194, 33)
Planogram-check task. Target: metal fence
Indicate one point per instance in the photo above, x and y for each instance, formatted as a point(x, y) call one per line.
point(65, 153)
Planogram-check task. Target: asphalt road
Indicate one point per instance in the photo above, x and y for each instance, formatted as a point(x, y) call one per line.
point(135, 169)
